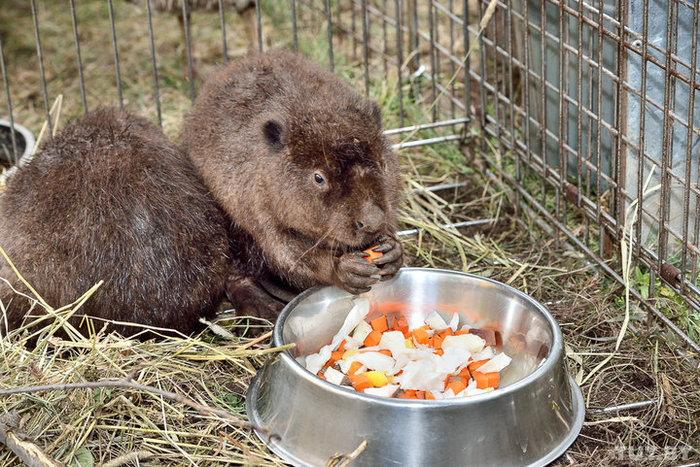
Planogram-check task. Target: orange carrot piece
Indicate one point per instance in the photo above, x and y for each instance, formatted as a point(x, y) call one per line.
point(372, 254)
point(341, 346)
point(405, 395)
point(320, 375)
point(460, 333)
point(420, 394)
point(354, 366)
point(440, 352)
point(482, 381)
point(446, 332)
point(421, 335)
point(386, 352)
point(456, 384)
point(373, 339)
point(379, 324)
point(473, 366)
point(335, 356)
point(493, 379)
point(464, 373)
point(360, 382)
point(437, 341)
point(429, 395)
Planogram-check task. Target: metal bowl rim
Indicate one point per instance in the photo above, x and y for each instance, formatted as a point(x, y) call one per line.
point(540, 371)
point(26, 134)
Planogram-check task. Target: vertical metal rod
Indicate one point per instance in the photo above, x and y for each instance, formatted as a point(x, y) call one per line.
point(188, 46)
point(222, 22)
point(642, 130)
point(365, 45)
point(77, 53)
point(560, 208)
point(689, 151)
point(467, 60)
point(385, 40)
point(667, 151)
point(115, 53)
point(294, 26)
point(579, 116)
point(543, 97)
point(527, 65)
point(353, 27)
point(433, 71)
point(450, 7)
point(330, 35)
point(9, 104)
point(154, 66)
point(399, 61)
point(258, 24)
point(40, 57)
point(509, 79)
point(599, 127)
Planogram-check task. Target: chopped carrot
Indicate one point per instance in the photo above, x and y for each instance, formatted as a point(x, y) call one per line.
point(440, 352)
point(456, 384)
point(420, 394)
point(341, 346)
point(373, 339)
point(405, 395)
point(379, 324)
point(464, 373)
point(401, 324)
point(486, 380)
point(461, 332)
point(429, 395)
point(421, 334)
point(386, 352)
point(354, 366)
point(473, 366)
point(320, 375)
point(436, 341)
point(335, 356)
point(372, 254)
point(360, 381)
point(446, 332)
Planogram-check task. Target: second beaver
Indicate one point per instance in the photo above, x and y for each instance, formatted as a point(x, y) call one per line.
point(300, 164)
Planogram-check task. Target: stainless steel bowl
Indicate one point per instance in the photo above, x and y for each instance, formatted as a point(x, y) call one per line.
point(530, 420)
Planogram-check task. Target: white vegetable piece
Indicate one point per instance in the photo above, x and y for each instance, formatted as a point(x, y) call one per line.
point(315, 362)
point(374, 360)
point(454, 322)
point(394, 341)
point(484, 354)
point(361, 331)
point(497, 363)
point(451, 360)
point(386, 391)
point(333, 376)
point(435, 321)
point(471, 342)
point(421, 375)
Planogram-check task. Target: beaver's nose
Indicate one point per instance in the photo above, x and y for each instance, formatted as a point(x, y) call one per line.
point(370, 219)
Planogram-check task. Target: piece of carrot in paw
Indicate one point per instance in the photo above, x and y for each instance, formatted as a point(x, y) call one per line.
point(373, 339)
point(379, 324)
point(372, 254)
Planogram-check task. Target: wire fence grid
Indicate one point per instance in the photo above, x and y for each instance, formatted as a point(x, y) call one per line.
point(591, 108)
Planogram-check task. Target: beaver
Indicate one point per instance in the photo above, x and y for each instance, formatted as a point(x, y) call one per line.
point(111, 198)
point(300, 164)
point(283, 177)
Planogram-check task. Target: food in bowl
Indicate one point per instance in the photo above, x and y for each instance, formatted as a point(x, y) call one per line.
point(383, 356)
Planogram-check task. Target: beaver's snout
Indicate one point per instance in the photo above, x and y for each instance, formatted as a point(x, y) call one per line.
point(370, 219)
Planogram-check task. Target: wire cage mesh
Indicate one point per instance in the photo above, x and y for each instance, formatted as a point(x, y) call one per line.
point(590, 109)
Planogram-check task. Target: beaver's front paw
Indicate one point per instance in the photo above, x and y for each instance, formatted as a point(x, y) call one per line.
point(392, 257)
point(250, 299)
point(355, 274)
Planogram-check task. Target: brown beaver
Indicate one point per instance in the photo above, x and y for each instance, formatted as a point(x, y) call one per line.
point(300, 164)
point(110, 198)
point(288, 178)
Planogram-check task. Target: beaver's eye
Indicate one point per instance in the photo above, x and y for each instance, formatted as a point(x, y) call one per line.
point(319, 180)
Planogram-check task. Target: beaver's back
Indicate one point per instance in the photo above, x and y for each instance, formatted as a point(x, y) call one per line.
point(110, 198)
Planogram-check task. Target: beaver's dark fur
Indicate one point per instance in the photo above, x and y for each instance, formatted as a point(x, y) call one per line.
point(299, 162)
point(110, 198)
point(288, 178)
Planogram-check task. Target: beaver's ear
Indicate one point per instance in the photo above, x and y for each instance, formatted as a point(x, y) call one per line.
point(376, 112)
point(274, 134)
